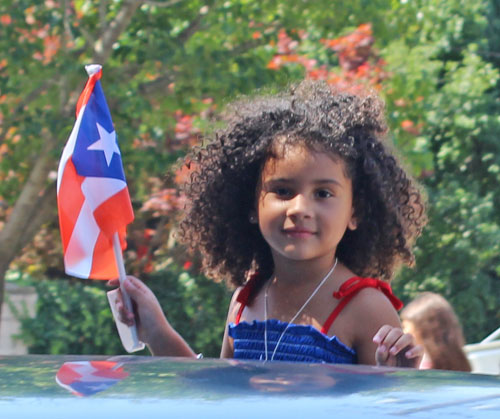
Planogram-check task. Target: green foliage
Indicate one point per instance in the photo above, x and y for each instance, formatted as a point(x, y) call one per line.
point(195, 306)
point(450, 84)
point(73, 317)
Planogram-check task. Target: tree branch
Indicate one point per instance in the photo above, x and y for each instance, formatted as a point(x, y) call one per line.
point(161, 82)
point(30, 212)
point(103, 7)
point(156, 85)
point(246, 46)
point(163, 3)
point(27, 205)
point(103, 46)
point(45, 213)
point(191, 29)
point(66, 25)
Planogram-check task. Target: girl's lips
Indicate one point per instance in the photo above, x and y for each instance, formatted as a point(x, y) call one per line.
point(298, 232)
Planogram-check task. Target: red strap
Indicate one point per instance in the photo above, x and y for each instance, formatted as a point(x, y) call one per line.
point(246, 294)
point(348, 291)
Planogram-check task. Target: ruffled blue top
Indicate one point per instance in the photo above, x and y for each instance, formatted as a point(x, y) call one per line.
point(300, 343)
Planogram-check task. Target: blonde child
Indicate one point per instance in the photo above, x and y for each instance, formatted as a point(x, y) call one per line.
point(300, 205)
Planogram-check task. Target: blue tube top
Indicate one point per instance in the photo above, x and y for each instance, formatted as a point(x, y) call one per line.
point(300, 343)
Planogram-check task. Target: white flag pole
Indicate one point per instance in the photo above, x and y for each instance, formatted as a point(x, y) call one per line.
point(128, 334)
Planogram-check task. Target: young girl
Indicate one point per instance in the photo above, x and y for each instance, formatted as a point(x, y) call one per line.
point(299, 204)
point(433, 322)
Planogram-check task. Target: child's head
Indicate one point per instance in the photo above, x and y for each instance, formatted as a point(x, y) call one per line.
point(433, 322)
point(222, 191)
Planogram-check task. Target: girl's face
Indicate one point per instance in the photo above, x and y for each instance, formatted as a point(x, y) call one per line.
point(304, 204)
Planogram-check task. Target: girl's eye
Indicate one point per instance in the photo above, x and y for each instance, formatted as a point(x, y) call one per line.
point(282, 192)
point(323, 193)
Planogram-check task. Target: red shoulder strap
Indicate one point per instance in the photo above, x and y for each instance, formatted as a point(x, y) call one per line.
point(246, 294)
point(348, 291)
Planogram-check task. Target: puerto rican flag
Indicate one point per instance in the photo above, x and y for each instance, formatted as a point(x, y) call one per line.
point(85, 378)
point(92, 194)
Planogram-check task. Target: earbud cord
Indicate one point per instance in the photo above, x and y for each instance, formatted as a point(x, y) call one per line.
point(296, 314)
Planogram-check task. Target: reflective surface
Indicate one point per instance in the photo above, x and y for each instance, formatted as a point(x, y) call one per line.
point(148, 387)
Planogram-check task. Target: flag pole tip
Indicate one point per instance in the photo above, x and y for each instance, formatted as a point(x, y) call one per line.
point(93, 69)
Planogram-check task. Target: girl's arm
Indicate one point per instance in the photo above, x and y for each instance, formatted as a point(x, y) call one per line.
point(152, 326)
point(227, 350)
point(379, 338)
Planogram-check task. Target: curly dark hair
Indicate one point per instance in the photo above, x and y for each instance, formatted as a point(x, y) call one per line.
point(388, 205)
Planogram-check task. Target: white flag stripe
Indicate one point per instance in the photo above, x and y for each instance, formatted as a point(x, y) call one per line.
point(98, 189)
point(80, 250)
point(79, 254)
point(69, 147)
point(86, 370)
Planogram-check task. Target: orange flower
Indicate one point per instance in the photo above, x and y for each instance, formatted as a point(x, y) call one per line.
point(410, 127)
point(275, 63)
point(52, 44)
point(407, 124)
point(5, 20)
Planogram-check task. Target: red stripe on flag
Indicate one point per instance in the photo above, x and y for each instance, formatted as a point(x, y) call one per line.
point(87, 91)
point(70, 202)
point(108, 369)
point(115, 213)
point(67, 374)
point(103, 259)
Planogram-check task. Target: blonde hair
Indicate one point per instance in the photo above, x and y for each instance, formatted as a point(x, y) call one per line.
point(437, 328)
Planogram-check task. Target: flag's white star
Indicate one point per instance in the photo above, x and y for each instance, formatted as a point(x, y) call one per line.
point(106, 143)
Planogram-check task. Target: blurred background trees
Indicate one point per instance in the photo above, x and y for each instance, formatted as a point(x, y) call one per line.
point(168, 69)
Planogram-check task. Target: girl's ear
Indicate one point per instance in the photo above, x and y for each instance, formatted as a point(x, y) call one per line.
point(353, 222)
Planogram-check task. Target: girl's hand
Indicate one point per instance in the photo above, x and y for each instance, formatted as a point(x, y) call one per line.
point(153, 327)
point(396, 348)
point(147, 313)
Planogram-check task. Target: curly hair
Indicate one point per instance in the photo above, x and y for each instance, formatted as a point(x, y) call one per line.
point(221, 192)
point(437, 328)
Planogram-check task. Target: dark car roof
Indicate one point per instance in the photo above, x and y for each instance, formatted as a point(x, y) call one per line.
point(151, 387)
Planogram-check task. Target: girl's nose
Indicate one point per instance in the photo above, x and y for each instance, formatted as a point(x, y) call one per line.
point(299, 206)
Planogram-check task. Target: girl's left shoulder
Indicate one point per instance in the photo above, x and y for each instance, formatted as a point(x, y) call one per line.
point(366, 314)
point(370, 310)
point(372, 302)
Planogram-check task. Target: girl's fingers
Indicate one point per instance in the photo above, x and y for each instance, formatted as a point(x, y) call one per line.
point(403, 341)
point(113, 282)
point(382, 353)
point(146, 312)
point(393, 340)
point(136, 288)
point(416, 351)
point(381, 356)
point(126, 316)
point(396, 341)
point(384, 338)
point(396, 347)
point(381, 334)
